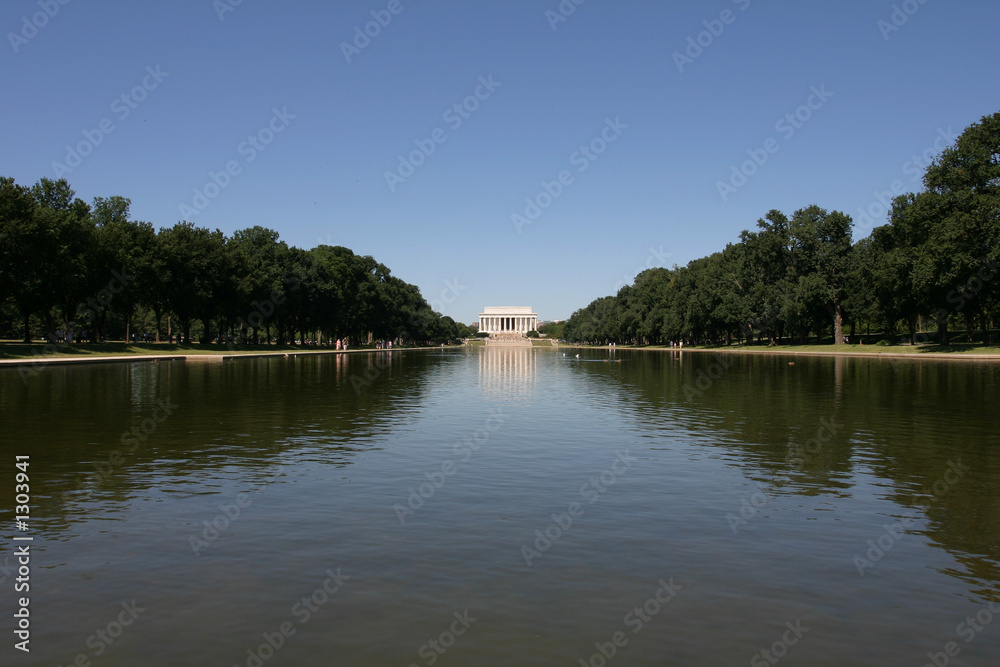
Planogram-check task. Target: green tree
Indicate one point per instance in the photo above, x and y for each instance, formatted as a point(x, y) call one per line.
point(821, 259)
point(195, 274)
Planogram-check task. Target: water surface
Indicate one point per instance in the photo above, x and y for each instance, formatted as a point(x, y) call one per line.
point(508, 507)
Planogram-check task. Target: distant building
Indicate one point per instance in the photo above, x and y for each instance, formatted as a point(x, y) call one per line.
point(508, 320)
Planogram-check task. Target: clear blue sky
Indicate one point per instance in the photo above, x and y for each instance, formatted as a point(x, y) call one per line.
point(650, 199)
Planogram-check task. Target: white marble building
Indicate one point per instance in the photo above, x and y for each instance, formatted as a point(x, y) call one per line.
point(508, 320)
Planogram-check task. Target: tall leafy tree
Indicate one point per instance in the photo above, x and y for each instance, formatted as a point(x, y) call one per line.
point(821, 258)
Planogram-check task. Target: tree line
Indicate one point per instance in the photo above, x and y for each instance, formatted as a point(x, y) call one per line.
point(69, 266)
point(935, 262)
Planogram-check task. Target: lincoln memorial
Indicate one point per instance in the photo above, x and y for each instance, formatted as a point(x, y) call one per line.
point(508, 320)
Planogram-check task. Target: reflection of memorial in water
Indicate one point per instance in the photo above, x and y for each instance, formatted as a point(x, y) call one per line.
point(507, 372)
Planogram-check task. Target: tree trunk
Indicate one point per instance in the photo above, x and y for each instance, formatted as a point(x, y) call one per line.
point(158, 315)
point(27, 327)
point(50, 327)
point(942, 332)
point(838, 324)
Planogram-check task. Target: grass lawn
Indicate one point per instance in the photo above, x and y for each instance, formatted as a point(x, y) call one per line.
point(958, 348)
point(963, 349)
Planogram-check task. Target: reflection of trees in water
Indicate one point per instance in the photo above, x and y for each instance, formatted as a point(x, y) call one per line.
point(901, 421)
point(244, 415)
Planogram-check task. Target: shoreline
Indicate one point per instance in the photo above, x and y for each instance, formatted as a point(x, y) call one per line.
point(211, 357)
point(206, 357)
point(959, 355)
